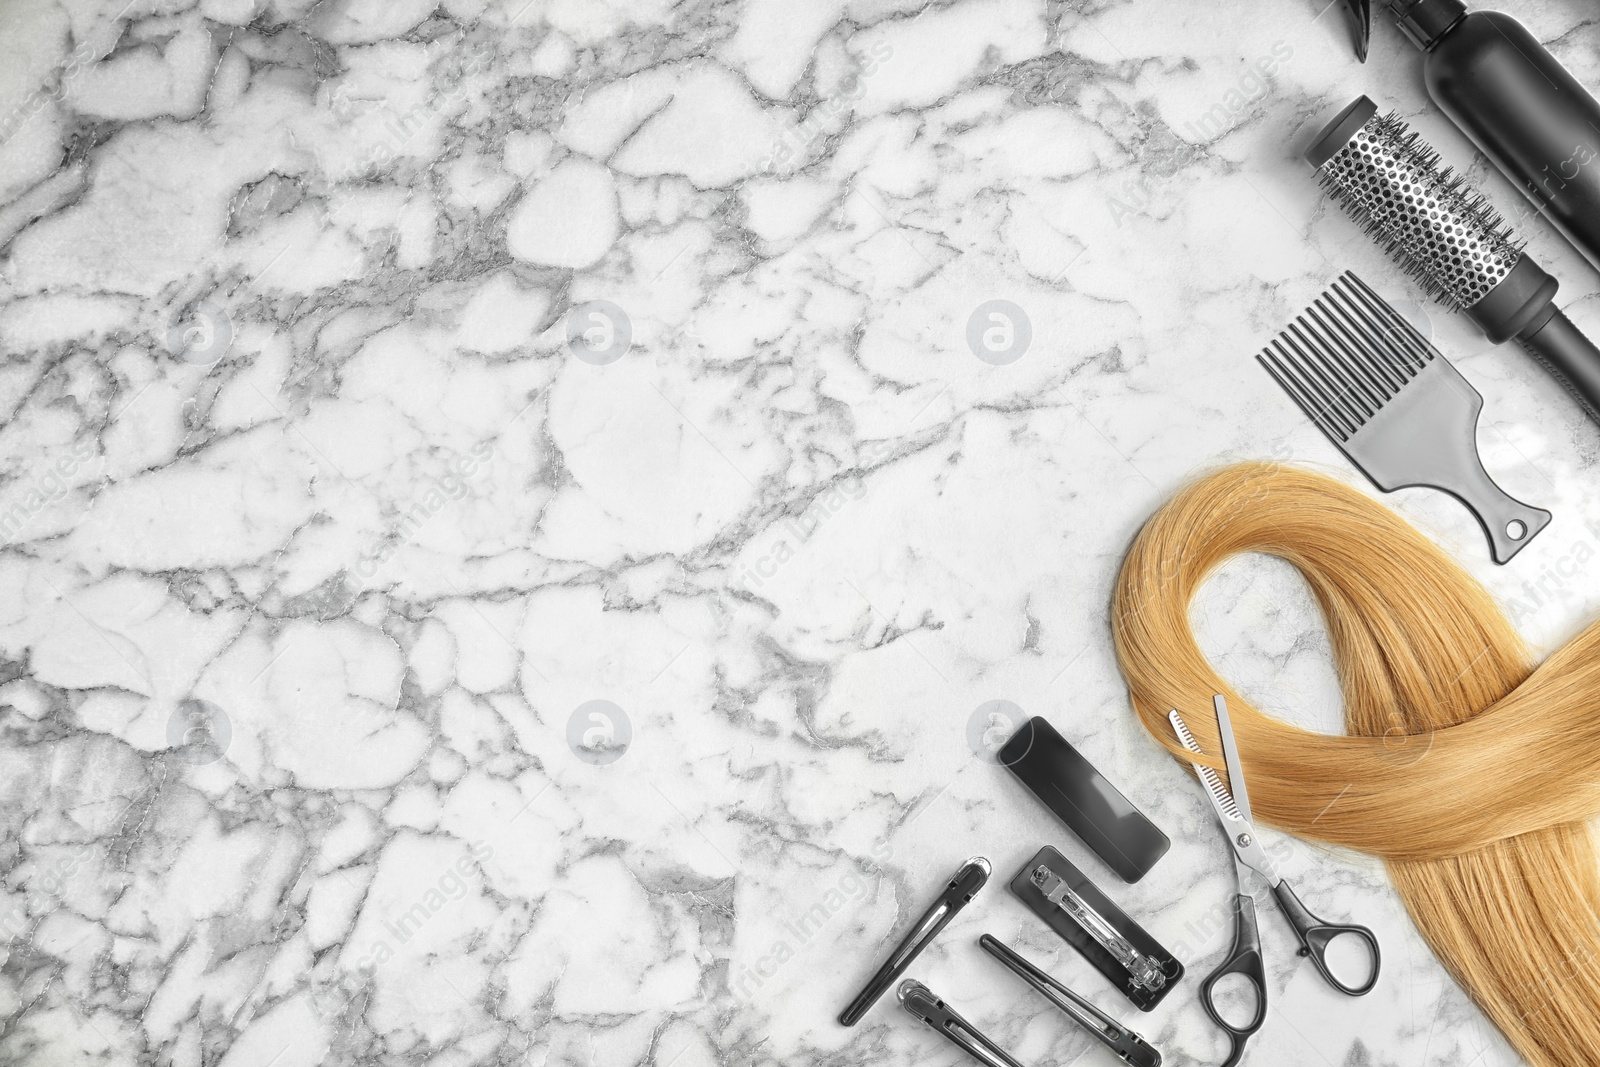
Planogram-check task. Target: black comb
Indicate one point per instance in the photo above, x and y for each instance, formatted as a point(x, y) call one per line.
point(1394, 406)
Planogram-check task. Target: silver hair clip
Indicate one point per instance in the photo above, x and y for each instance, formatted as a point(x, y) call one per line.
point(1129, 1046)
point(920, 1001)
point(1145, 972)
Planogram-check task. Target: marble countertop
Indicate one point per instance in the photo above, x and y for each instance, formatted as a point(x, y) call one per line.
point(517, 512)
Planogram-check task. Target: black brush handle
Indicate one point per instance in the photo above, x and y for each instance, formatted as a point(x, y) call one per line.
point(1570, 357)
point(1523, 306)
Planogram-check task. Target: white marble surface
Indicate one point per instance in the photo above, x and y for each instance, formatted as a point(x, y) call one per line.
point(320, 538)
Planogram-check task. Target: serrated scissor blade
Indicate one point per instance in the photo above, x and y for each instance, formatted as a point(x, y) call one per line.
point(1236, 824)
point(1221, 799)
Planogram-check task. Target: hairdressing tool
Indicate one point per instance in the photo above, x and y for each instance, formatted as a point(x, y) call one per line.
point(920, 1001)
point(1446, 234)
point(963, 886)
point(1394, 406)
point(1515, 101)
point(1081, 797)
point(1359, 14)
point(1129, 1046)
point(1073, 906)
point(1233, 811)
point(1144, 971)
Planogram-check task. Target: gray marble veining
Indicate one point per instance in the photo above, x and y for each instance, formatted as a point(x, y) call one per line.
point(516, 512)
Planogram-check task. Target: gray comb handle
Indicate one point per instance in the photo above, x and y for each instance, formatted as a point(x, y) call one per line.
point(1394, 406)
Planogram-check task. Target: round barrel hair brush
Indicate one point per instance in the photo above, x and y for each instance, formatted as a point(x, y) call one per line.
point(1446, 235)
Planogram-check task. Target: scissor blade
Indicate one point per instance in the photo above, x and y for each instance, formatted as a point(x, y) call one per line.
point(1230, 756)
point(1236, 825)
point(1221, 799)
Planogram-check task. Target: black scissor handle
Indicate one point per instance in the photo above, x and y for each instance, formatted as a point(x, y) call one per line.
point(1315, 934)
point(1245, 959)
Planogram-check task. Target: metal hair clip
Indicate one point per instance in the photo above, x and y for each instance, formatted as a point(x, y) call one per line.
point(920, 1001)
point(1129, 1046)
point(964, 884)
point(1145, 972)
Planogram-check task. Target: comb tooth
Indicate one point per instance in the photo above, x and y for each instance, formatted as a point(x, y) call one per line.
point(1364, 314)
point(1388, 343)
point(1421, 348)
point(1372, 347)
point(1349, 354)
point(1350, 414)
point(1318, 353)
point(1358, 409)
point(1305, 399)
point(1381, 383)
point(1314, 383)
point(1394, 368)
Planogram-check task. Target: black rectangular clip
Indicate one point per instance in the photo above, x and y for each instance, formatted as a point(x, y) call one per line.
point(1075, 908)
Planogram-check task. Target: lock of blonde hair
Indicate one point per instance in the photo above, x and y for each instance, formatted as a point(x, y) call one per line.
point(1470, 771)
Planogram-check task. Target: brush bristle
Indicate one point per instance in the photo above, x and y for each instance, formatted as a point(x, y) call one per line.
point(1438, 227)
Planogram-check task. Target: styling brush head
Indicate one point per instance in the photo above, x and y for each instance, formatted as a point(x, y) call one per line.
point(1436, 226)
point(1457, 246)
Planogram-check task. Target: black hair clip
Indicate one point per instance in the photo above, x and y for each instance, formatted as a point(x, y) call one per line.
point(963, 886)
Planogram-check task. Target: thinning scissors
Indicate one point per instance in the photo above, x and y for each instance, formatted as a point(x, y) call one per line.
point(1233, 811)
